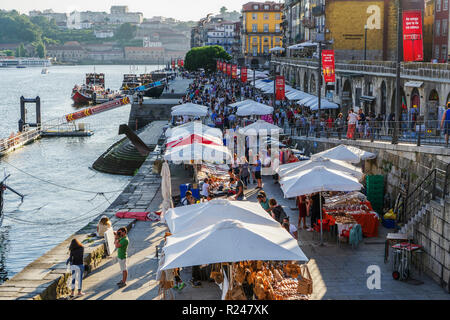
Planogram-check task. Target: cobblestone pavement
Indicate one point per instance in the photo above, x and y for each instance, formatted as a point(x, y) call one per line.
point(339, 273)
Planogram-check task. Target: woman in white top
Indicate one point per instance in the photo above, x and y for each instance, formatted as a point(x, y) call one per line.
point(205, 189)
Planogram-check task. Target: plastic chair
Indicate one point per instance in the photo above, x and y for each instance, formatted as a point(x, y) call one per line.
point(325, 227)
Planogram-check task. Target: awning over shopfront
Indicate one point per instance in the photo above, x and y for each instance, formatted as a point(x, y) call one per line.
point(368, 99)
point(414, 84)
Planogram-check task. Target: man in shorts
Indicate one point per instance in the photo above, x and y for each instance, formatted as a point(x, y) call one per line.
point(445, 123)
point(121, 244)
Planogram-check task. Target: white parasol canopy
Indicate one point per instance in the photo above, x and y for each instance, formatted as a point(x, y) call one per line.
point(318, 179)
point(346, 153)
point(200, 216)
point(199, 153)
point(255, 108)
point(276, 49)
point(190, 109)
point(193, 127)
point(242, 103)
point(259, 126)
point(295, 95)
point(230, 241)
point(337, 165)
point(166, 188)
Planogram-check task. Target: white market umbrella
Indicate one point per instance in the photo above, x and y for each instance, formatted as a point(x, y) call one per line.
point(230, 241)
point(190, 110)
point(337, 165)
point(242, 103)
point(166, 188)
point(193, 127)
point(259, 126)
point(276, 49)
point(318, 179)
point(254, 109)
point(202, 215)
point(295, 95)
point(324, 105)
point(198, 153)
point(346, 153)
point(189, 105)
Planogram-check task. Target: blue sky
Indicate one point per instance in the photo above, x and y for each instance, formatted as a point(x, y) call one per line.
point(178, 9)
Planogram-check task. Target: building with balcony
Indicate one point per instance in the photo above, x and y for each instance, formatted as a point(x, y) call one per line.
point(441, 30)
point(144, 55)
point(60, 18)
point(261, 28)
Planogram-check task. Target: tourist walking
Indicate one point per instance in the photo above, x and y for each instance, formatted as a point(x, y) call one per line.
point(339, 124)
point(277, 211)
point(121, 244)
point(244, 173)
point(76, 262)
point(445, 123)
point(258, 168)
point(302, 212)
point(103, 226)
point(352, 120)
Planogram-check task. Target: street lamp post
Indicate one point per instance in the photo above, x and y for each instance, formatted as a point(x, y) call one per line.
point(319, 87)
point(398, 107)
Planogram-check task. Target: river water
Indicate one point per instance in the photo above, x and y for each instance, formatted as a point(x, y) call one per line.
point(51, 213)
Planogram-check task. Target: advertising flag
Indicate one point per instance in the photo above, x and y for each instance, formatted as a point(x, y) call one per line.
point(244, 74)
point(234, 71)
point(173, 64)
point(412, 36)
point(279, 87)
point(224, 67)
point(218, 65)
point(328, 66)
point(229, 69)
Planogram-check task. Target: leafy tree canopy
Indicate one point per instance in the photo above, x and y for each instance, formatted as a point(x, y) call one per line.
point(205, 57)
point(126, 31)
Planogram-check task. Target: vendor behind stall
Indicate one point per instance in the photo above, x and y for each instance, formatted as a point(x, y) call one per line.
point(188, 199)
point(239, 188)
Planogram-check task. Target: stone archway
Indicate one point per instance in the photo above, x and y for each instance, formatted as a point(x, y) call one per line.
point(394, 103)
point(305, 83)
point(432, 114)
point(383, 99)
point(347, 96)
point(312, 84)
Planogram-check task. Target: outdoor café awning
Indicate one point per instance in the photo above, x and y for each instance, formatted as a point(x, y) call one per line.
point(414, 84)
point(368, 99)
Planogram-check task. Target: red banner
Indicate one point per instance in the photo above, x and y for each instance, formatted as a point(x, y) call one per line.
point(280, 87)
point(412, 36)
point(328, 66)
point(234, 71)
point(244, 74)
point(173, 64)
point(180, 63)
point(224, 67)
point(229, 69)
point(218, 65)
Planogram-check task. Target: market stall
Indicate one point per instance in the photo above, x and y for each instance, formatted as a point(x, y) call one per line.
point(265, 267)
point(347, 209)
point(346, 153)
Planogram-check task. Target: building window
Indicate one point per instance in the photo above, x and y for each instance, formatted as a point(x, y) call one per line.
point(254, 16)
point(255, 40)
point(277, 28)
point(444, 53)
point(438, 5)
point(436, 53)
point(255, 28)
point(445, 5)
point(438, 28)
point(266, 28)
point(444, 27)
point(266, 7)
point(266, 16)
point(277, 16)
point(255, 7)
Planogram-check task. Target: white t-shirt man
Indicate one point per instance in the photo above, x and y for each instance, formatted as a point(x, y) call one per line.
point(352, 118)
point(205, 191)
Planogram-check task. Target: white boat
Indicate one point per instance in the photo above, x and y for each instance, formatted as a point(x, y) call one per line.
point(44, 71)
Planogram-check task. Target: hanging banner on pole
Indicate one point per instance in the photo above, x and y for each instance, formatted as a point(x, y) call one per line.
point(180, 63)
point(412, 36)
point(218, 65)
point(173, 64)
point(244, 74)
point(229, 69)
point(328, 66)
point(224, 67)
point(279, 87)
point(234, 71)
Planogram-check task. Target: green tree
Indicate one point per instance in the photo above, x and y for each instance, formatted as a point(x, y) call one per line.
point(205, 57)
point(20, 51)
point(9, 53)
point(126, 31)
point(40, 50)
point(223, 10)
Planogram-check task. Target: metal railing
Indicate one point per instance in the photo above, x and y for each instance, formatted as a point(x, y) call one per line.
point(417, 132)
point(18, 140)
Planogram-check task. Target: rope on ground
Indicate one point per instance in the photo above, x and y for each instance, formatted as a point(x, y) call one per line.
point(59, 185)
point(79, 218)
